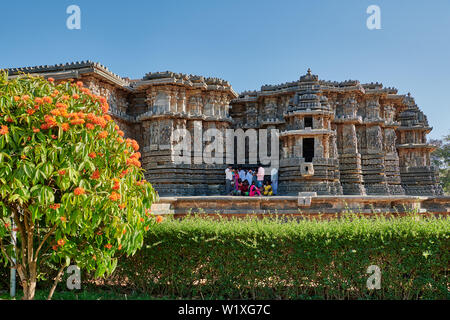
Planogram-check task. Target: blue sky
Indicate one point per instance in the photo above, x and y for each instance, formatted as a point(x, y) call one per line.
point(249, 43)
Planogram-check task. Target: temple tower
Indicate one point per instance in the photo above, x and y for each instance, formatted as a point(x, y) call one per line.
point(418, 176)
point(308, 150)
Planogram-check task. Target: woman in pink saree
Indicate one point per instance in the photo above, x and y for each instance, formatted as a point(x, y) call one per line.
point(236, 179)
point(254, 190)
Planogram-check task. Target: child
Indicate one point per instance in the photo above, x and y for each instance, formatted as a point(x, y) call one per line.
point(244, 188)
point(254, 189)
point(268, 189)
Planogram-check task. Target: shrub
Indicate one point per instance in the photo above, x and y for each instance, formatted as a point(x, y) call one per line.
point(272, 259)
point(71, 184)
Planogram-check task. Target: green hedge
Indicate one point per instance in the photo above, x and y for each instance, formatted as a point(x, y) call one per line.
point(275, 259)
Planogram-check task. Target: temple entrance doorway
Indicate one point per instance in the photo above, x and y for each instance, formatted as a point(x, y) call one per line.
point(308, 149)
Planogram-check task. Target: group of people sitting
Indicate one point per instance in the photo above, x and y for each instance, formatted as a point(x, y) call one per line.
point(240, 182)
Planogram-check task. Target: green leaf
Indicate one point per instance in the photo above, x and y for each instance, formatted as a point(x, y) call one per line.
point(46, 195)
point(29, 169)
point(47, 170)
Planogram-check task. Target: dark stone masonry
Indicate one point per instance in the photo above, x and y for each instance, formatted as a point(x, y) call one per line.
point(335, 138)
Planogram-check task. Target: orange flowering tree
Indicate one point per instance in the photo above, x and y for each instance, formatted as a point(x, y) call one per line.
point(71, 186)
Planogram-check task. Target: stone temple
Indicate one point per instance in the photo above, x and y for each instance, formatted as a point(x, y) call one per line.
point(335, 138)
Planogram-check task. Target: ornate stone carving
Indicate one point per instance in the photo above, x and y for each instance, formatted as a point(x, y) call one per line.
point(361, 137)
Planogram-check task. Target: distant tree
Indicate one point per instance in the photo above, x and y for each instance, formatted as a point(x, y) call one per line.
point(70, 185)
point(441, 159)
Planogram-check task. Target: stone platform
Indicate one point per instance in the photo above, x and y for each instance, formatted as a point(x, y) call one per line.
point(302, 205)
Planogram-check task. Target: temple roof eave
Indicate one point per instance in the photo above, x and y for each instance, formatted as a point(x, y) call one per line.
point(415, 128)
point(75, 70)
point(416, 146)
point(144, 84)
point(307, 132)
point(319, 112)
point(71, 70)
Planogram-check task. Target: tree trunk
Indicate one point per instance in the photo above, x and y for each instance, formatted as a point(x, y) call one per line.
point(30, 290)
point(28, 280)
point(26, 257)
point(55, 283)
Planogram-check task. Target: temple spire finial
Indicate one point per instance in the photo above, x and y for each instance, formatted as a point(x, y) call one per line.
point(309, 71)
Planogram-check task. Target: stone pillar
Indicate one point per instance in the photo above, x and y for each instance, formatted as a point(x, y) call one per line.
point(318, 147)
point(391, 160)
point(291, 146)
point(373, 166)
point(172, 101)
point(298, 147)
point(181, 102)
point(349, 155)
point(333, 155)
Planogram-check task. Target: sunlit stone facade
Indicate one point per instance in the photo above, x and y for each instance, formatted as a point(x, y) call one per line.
point(334, 137)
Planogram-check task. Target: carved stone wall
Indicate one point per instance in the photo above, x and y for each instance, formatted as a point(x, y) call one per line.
point(378, 138)
point(364, 138)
